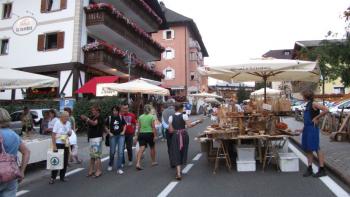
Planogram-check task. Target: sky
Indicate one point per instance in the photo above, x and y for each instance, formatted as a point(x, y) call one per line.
point(235, 30)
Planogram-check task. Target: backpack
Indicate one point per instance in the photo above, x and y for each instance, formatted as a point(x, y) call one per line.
point(8, 165)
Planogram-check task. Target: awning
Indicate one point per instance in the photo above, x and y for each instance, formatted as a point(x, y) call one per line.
point(15, 79)
point(90, 86)
point(157, 83)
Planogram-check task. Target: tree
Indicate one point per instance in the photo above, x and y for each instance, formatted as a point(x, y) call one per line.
point(242, 94)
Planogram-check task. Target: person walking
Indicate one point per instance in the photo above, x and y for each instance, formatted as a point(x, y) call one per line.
point(11, 143)
point(131, 122)
point(115, 127)
point(311, 132)
point(147, 136)
point(44, 125)
point(169, 111)
point(73, 149)
point(60, 140)
point(95, 132)
point(180, 140)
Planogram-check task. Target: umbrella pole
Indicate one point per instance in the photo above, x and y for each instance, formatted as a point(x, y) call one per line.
point(265, 84)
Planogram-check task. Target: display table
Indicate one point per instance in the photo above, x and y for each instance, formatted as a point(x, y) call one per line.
point(38, 146)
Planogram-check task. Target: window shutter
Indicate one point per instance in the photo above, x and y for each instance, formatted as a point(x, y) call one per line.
point(63, 4)
point(172, 34)
point(41, 42)
point(60, 40)
point(164, 35)
point(43, 6)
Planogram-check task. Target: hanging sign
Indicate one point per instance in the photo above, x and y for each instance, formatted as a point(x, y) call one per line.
point(24, 26)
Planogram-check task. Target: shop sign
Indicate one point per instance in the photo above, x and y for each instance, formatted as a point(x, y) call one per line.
point(105, 90)
point(24, 26)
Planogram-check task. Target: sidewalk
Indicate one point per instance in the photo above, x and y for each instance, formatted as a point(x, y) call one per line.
point(337, 154)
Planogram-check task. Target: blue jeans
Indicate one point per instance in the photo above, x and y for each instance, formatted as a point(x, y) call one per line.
point(8, 189)
point(113, 142)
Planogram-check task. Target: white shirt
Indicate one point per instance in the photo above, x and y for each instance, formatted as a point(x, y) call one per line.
point(184, 116)
point(61, 130)
point(73, 138)
point(239, 108)
point(52, 123)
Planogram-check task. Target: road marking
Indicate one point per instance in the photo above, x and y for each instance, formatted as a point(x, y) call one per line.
point(197, 157)
point(332, 185)
point(187, 168)
point(104, 159)
point(72, 172)
point(168, 189)
point(20, 193)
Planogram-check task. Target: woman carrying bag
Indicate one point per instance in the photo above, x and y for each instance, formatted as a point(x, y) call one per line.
point(60, 140)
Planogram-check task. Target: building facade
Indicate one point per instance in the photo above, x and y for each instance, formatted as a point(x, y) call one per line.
point(75, 40)
point(184, 53)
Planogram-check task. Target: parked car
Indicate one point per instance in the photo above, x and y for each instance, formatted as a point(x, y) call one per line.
point(300, 106)
point(338, 107)
point(37, 114)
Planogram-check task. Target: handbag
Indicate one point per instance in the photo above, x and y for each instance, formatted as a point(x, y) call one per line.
point(8, 165)
point(55, 160)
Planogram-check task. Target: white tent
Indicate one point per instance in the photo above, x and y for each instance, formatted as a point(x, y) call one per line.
point(135, 86)
point(269, 91)
point(205, 95)
point(265, 69)
point(15, 79)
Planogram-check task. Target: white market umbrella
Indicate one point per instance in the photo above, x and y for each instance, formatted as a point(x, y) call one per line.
point(205, 95)
point(15, 79)
point(211, 100)
point(269, 91)
point(135, 86)
point(265, 69)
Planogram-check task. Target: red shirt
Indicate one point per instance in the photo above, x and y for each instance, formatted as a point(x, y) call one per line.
point(131, 121)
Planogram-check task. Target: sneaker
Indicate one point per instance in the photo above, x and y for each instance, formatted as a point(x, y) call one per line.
point(120, 172)
point(320, 173)
point(308, 172)
point(130, 163)
point(109, 168)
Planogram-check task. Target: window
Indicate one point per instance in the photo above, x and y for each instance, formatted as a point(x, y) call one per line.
point(193, 56)
point(51, 41)
point(286, 53)
point(53, 5)
point(192, 76)
point(339, 90)
point(4, 47)
point(169, 53)
point(168, 34)
point(169, 73)
point(6, 12)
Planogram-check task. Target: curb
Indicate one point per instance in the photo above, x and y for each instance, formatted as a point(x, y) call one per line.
point(333, 170)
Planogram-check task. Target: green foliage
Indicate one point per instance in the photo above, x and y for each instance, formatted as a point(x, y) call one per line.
point(83, 107)
point(242, 94)
point(19, 105)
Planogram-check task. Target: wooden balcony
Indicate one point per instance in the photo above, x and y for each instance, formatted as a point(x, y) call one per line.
point(102, 58)
point(106, 26)
point(145, 17)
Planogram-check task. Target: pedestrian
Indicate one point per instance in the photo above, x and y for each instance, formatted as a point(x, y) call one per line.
point(73, 152)
point(115, 127)
point(311, 132)
point(11, 143)
point(169, 111)
point(60, 140)
point(53, 120)
point(131, 122)
point(71, 117)
point(95, 132)
point(44, 125)
point(27, 121)
point(147, 136)
point(180, 140)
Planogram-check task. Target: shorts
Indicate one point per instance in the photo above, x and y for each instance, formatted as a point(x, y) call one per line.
point(96, 148)
point(146, 139)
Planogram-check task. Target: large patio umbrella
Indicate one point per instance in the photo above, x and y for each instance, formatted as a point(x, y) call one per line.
point(205, 95)
point(265, 69)
point(15, 79)
point(136, 86)
point(269, 91)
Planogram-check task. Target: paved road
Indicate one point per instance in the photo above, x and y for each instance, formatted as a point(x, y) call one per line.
point(199, 181)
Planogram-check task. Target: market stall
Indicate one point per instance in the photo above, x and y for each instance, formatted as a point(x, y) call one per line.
point(38, 146)
point(259, 127)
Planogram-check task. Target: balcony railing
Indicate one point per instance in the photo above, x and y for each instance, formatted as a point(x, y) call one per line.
point(103, 54)
point(111, 18)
